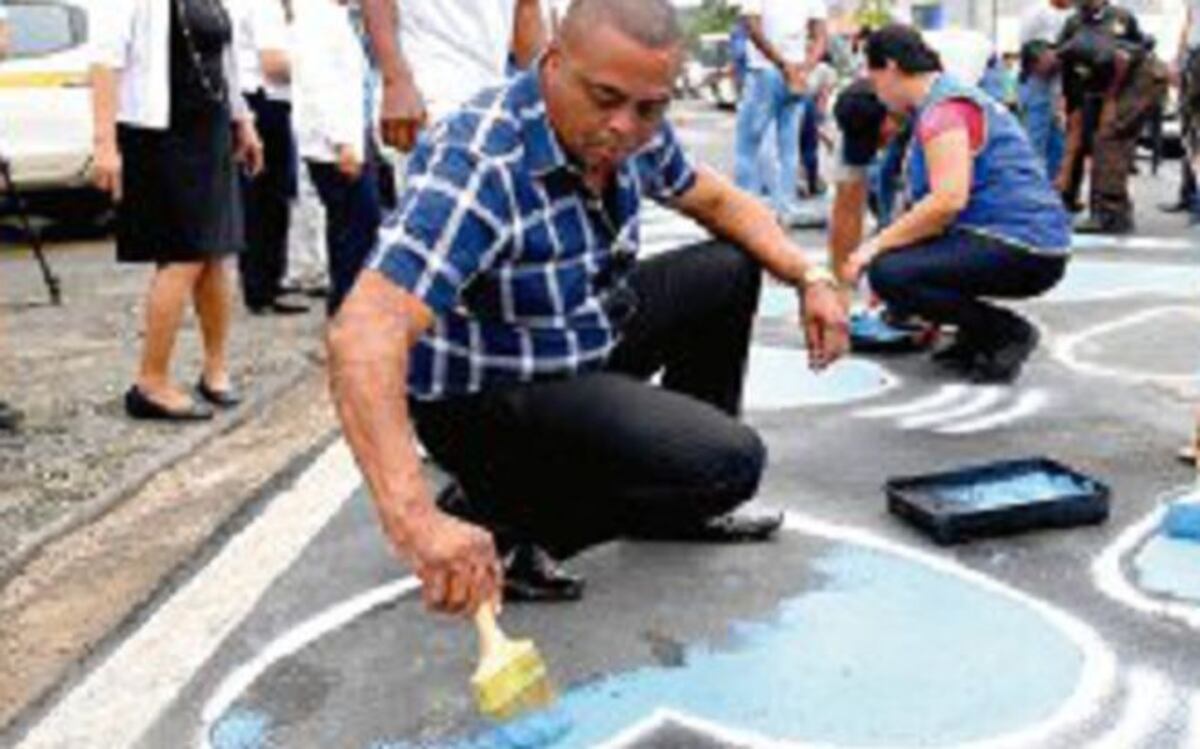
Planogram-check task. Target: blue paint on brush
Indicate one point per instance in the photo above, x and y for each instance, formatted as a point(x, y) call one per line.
point(888, 652)
point(241, 728)
point(1026, 487)
point(780, 378)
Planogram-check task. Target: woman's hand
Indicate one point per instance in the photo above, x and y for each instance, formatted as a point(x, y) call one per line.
point(859, 261)
point(248, 148)
point(348, 162)
point(106, 169)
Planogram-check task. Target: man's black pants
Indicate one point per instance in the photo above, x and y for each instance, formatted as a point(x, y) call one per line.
point(267, 203)
point(574, 462)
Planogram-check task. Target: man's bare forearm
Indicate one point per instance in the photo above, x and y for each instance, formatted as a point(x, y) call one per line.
point(529, 32)
point(846, 221)
point(368, 363)
point(382, 20)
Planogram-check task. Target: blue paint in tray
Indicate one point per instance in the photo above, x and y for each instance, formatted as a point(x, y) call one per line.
point(241, 728)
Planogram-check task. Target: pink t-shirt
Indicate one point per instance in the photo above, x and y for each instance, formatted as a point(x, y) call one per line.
point(950, 115)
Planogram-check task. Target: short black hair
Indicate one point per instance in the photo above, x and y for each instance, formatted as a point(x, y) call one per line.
point(860, 116)
point(904, 46)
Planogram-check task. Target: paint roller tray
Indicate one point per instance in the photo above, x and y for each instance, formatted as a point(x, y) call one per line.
point(998, 499)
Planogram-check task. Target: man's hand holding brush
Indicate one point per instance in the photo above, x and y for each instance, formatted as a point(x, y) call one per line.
point(456, 561)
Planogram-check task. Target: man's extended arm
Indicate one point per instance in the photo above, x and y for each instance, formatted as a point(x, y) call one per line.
point(403, 114)
point(734, 215)
point(368, 346)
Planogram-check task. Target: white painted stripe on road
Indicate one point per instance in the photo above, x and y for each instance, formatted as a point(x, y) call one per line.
point(1193, 734)
point(1066, 349)
point(1027, 405)
point(1147, 705)
point(1110, 577)
point(981, 399)
point(123, 697)
point(944, 396)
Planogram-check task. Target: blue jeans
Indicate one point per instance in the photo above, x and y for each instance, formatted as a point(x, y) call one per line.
point(352, 219)
point(944, 279)
point(1045, 134)
point(766, 100)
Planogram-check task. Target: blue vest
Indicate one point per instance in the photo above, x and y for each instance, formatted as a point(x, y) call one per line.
point(1011, 198)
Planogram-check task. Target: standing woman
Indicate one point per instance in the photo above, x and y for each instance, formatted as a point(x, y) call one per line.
point(170, 131)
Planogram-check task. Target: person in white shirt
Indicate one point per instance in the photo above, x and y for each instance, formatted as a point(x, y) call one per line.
point(329, 86)
point(434, 56)
point(165, 92)
point(261, 46)
point(787, 41)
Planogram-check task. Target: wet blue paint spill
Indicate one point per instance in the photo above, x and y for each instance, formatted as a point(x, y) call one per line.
point(241, 728)
point(779, 378)
point(888, 652)
point(1013, 490)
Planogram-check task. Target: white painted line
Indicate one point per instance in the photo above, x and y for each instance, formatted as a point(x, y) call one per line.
point(944, 396)
point(1109, 575)
point(1066, 348)
point(121, 699)
point(1097, 678)
point(1027, 405)
point(1193, 734)
point(1147, 705)
point(981, 400)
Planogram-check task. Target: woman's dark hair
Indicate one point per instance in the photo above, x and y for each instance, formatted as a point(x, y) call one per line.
point(904, 46)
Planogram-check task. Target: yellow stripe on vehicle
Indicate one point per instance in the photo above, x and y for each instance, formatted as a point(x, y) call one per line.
point(42, 79)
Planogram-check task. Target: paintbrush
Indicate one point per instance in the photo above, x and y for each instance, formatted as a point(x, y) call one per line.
point(511, 677)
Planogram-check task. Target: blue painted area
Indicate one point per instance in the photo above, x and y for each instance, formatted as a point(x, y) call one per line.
point(780, 378)
point(241, 728)
point(1026, 487)
point(1170, 566)
point(1097, 279)
point(1183, 520)
point(888, 652)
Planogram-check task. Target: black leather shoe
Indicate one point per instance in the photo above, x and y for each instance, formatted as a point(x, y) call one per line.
point(227, 398)
point(1003, 365)
point(959, 356)
point(1104, 225)
point(532, 576)
point(138, 406)
point(729, 528)
point(277, 308)
point(10, 418)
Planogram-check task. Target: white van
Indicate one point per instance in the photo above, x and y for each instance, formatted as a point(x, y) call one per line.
point(45, 102)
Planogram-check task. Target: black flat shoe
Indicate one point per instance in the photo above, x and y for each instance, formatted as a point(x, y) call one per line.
point(138, 406)
point(532, 576)
point(277, 308)
point(10, 418)
point(1003, 366)
point(227, 398)
point(724, 529)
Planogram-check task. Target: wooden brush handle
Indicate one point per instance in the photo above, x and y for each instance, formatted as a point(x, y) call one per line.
point(491, 637)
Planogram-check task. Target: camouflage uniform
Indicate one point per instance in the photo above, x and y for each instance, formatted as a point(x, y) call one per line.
point(1113, 84)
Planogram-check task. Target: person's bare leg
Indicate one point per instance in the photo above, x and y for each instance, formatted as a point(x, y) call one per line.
point(169, 292)
point(213, 311)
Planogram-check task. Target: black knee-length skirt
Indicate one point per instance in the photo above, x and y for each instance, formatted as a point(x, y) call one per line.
point(180, 193)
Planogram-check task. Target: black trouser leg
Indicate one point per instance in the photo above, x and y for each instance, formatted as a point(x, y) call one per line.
point(946, 280)
point(575, 462)
point(266, 200)
point(352, 218)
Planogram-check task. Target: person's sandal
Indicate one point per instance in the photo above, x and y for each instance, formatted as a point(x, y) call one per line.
point(140, 407)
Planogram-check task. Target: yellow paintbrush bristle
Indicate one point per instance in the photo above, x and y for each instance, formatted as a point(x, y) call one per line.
point(512, 680)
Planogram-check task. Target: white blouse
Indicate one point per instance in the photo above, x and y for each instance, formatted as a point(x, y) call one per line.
point(134, 37)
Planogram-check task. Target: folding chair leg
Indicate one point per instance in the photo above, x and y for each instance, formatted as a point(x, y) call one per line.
point(53, 286)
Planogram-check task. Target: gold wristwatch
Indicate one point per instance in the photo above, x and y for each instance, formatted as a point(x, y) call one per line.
point(818, 274)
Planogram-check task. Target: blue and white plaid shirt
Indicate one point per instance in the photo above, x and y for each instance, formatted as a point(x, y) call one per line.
point(524, 268)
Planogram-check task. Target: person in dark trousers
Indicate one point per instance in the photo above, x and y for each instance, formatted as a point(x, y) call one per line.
point(506, 313)
point(333, 94)
point(261, 38)
point(1187, 78)
point(171, 132)
point(983, 220)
